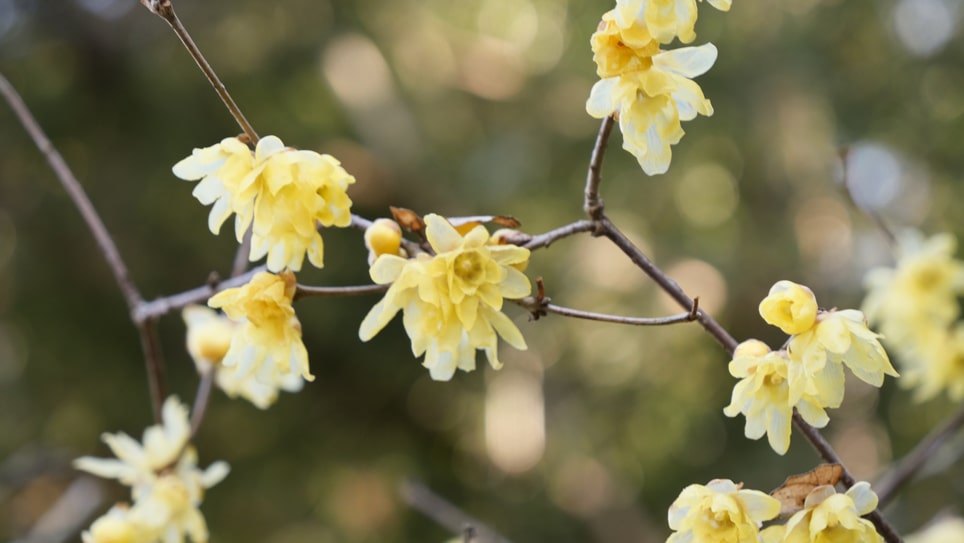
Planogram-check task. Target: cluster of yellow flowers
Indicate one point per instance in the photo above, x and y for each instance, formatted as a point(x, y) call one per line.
point(166, 484)
point(649, 90)
point(280, 192)
point(724, 511)
point(452, 299)
point(808, 374)
point(915, 305)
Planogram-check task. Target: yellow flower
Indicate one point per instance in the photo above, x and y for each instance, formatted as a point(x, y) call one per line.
point(944, 530)
point(663, 19)
point(451, 301)
point(117, 526)
point(383, 237)
point(763, 395)
point(167, 486)
point(208, 340)
point(790, 307)
point(651, 95)
point(828, 517)
point(283, 192)
point(837, 337)
point(720, 512)
point(267, 342)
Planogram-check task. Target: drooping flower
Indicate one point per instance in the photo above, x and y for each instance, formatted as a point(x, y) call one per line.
point(452, 300)
point(915, 305)
point(209, 337)
point(650, 91)
point(282, 192)
point(790, 307)
point(821, 343)
point(167, 486)
point(831, 517)
point(763, 395)
point(267, 342)
point(721, 511)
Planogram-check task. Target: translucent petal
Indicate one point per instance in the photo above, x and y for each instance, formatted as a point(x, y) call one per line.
point(602, 102)
point(688, 62)
point(506, 328)
point(441, 234)
point(376, 319)
point(387, 268)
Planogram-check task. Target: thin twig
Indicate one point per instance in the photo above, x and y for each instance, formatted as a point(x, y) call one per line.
point(165, 10)
point(873, 215)
point(241, 255)
point(153, 361)
point(545, 240)
point(593, 204)
point(164, 305)
point(305, 291)
point(912, 462)
point(76, 193)
point(538, 309)
point(437, 508)
point(201, 399)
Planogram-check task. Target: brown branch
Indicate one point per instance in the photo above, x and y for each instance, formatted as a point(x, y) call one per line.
point(912, 462)
point(76, 193)
point(154, 363)
point(539, 308)
point(422, 499)
point(164, 305)
point(165, 10)
point(241, 255)
point(545, 240)
point(201, 399)
point(593, 204)
point(305, 291)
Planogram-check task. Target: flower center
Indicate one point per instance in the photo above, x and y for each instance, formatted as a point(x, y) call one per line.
point(468, 268)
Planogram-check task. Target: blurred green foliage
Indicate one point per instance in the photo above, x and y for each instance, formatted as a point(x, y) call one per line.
point(471, 107)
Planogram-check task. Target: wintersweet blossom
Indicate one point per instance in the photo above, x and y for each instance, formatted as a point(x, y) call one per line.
point(831, 517)
point(648, 90)
point(452, 300)
point(915, 305)
point(267, 342)
point(721, 511)
point(821, 343)
point(117, 526)
point(383, 237)
point(763, 395)
point(282, 192)
point(944, 530)
point(209, 337)
point(167, 486)
point(664, 20)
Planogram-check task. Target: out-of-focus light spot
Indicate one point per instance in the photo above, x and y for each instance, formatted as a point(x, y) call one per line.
point(9, 15)
point(357, 72)
point(582, 486)
point(492, 69)
point(824, 235)
point(515, 21)
point(424, 58)
point(862, 446)
point(707, 195)
point(697, 278)
point(515, 427)
point(622, 359)
point(602, 265)
point(559, 114)
point(925, 26)
point(873, 175)
point(363, 502)
point(107, 9)
point(940, 89)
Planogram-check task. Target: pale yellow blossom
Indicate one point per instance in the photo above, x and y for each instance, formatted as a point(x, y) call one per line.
point(283, 193)
point(945, 530)
point(763, 395)
point(452, 300)
point(167, 486)
point(721, 511)
point(267, 342)
point(829, 517)
point(209, 337)
point(383, 237)
point(790, 307)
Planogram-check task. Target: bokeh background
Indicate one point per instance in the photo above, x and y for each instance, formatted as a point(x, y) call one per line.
point(464, 108)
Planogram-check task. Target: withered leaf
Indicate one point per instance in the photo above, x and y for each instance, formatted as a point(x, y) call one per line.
point(407, 219)
point(501, 220)
point(795, 489)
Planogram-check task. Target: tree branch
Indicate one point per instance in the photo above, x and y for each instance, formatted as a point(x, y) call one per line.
point(76, 193)
point(202, 398)
point(165, 10)
point(305, 291)
point(545, 240)
point(161, 306)
point(592, 203)
point(539, 308)
point(422, 499)
point(912, 462)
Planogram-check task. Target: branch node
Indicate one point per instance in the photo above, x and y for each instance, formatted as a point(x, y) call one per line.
point(695, 310)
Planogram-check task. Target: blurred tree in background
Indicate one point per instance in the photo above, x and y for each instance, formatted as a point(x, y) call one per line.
point(464, 108)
